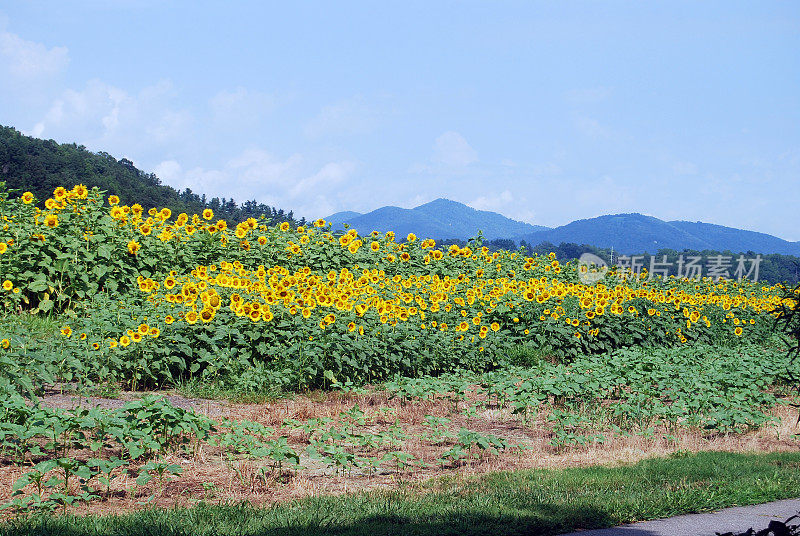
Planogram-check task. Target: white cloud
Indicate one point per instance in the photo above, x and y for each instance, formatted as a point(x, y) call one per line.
point(169, 171)
point(508, 204)
point(331, 174)
point(292, 183)
point(494, 202)
point(108, 118)
point(451, 149)
point(25, 61)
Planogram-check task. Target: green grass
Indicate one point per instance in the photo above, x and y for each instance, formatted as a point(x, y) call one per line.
point(232, 392)
point(521, 502)
point(41, 326)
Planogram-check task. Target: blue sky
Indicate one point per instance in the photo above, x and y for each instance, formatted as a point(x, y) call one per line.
point(543, 111)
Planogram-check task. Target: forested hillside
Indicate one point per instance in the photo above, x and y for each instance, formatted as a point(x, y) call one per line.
point(40, 166)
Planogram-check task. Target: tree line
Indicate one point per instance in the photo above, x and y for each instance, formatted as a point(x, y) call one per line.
point(772, 268)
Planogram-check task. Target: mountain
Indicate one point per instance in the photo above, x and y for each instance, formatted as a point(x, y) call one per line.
point(737, 239)
point(440, 219)
point(336, 220)
point(637, 233)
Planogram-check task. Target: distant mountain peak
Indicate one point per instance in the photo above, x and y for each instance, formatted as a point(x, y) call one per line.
point(635, 233)
point(441, 218)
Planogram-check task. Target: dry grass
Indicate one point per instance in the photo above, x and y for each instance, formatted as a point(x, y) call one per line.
point(209, 476)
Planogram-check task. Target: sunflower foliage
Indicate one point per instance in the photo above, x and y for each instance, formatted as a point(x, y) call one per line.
point(156, 298)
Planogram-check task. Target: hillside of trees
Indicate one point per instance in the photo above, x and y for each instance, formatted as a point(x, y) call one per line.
point(40, 166)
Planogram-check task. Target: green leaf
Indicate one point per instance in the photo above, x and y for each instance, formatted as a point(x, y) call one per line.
point(38, 285)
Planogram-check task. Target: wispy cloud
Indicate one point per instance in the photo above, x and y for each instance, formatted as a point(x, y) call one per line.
point(26, 61)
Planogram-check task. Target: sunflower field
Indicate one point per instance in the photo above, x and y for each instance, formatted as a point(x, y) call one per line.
point(149, 297)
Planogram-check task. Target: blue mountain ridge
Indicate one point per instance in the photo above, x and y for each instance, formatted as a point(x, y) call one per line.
point(440, 218)
point(627, 233)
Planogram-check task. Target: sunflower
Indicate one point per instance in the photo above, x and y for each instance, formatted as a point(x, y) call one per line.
point(113, 200)
point(411, 237)
point(285, 226)
point(3, 247)
point(375, 246)
point(208, 214)
point(319, 223)
point(191, 317)
point(51, 220)
point(5, 343)
point(169, 319)
point(134, 247)
point(112, 343)
point(7, 285)
point(738, 331)
point(124, 341)
point(27, 198)
point(80, 191)
point(60, 193)
point(136, 336)
point(66, 331)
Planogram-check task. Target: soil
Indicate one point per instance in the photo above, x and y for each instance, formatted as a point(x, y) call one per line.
point(211, 477)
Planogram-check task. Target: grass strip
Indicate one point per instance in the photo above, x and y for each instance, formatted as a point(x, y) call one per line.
point(527, 502)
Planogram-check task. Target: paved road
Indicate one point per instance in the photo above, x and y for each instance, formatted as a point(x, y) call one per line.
point(736, 519)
